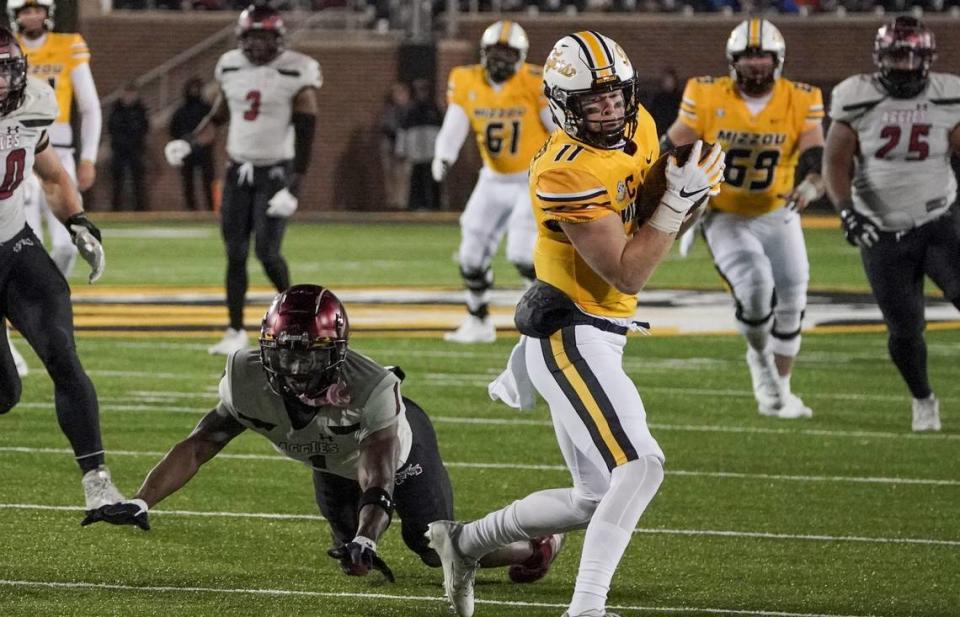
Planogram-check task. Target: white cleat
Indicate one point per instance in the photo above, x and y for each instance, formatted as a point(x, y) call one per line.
point(458, 569)
point(98, 488)
point(794, 408)
point(473, 330)
point(18, 360)
point(591, 613)
point(767, 388)
point(233, 340)
point(926, 414)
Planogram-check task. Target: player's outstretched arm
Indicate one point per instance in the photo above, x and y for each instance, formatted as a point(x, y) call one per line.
point(809, 181)
point(375, 473)
point(842, 144)
point(173, 471)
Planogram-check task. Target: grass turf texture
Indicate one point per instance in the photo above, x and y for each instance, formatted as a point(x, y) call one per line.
point(795, 481)
point(756, 516)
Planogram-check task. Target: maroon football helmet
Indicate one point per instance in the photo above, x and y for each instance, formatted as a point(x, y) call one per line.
point(903, 50)
point(261, 32)
point(303, 342)
point(13, 72)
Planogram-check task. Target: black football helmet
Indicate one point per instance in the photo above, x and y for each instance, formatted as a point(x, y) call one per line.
point(303, 342)
point(13, 72)
point(260, 33)
point(903, 51)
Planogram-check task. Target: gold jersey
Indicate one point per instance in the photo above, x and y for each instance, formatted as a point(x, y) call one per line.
point(573, 182)
point(53, 62)
point(761, 150)
point(506, 121)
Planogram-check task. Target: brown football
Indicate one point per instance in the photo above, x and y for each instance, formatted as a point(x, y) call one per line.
point(655, 185)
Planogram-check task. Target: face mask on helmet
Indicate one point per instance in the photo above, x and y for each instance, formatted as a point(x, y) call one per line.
point(500, 62)
point(904, 52)
point(756, 71)
point(260, 46)
point(13, 75)
point(300, 372)
point(605, 116)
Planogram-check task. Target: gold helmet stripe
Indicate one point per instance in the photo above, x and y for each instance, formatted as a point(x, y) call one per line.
point(505, 27)
point(600, 58)
point(754, 38)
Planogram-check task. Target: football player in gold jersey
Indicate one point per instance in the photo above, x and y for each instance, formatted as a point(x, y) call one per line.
point(591, 260)
point(771, 130)
point(501, 101)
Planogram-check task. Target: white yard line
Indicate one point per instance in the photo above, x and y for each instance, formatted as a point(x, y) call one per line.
point(396, 597)
point(733, 475)
point(760, 535)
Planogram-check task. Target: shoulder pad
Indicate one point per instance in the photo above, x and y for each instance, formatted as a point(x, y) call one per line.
point(39, 104)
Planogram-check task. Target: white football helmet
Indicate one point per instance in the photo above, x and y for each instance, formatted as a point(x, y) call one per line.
point(15, 6)
point(751, 37)
point(503, 48)
point(586, 63)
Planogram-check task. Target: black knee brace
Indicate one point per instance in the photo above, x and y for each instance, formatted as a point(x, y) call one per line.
point(478, 280)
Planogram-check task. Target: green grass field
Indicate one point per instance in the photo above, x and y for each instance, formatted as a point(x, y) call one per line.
point(846, 514)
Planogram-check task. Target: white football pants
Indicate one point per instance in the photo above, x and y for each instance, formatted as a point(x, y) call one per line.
point(499, 204)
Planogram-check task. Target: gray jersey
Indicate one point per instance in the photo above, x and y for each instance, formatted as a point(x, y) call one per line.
point(902, 175)
point(20, 132)
point(260, 99)
point(331, 441)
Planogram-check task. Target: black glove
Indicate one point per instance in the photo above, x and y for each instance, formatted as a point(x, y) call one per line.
point(857, 229)
point(133, 512)
point(358, 556)
point(82, 220)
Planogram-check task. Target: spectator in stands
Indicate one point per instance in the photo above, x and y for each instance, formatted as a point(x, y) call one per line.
point(129, 125)
point(395, 173)
point(665, 101)
point(185, 119)
point(418, 132)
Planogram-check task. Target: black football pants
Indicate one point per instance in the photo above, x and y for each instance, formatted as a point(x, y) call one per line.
point(35, 297)
point(422, 492)
point(244, 211)
point(895, 268)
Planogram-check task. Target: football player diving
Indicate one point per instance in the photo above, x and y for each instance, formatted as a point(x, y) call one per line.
point(372, 451)
point(269, 96)
point(770, 128)
point(34, 295)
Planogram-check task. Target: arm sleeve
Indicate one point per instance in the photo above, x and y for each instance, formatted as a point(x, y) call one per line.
point(453, 132)
point(383, 408)
point(572, 196)
point(88, 103)
point(692, 107)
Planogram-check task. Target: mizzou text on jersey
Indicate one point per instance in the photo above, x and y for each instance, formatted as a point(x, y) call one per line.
point(761, 148)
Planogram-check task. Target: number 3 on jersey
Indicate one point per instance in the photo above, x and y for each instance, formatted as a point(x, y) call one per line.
point(496, 135)
point(251, 114)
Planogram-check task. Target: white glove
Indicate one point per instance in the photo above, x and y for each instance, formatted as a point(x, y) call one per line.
point(439, 169)
point(282, 204)
point(804, 193)
point(687, 185)
point(177, 150)
point(90, 249)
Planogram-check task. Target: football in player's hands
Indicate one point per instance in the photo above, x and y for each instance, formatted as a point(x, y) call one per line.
point(655, 185)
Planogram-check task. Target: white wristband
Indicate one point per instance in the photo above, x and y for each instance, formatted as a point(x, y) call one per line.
point(670, 213)
point(366, 542)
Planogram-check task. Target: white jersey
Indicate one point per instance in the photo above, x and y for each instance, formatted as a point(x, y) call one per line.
point(20, 133)
point(330, 442)
point(902, 175)
point(260, 99)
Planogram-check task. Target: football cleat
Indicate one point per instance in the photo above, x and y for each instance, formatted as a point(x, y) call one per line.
point(98, 488)
point(545, 551)
point(458, 569)
point(233, 340)
point(767, 388)
point(926, 414)
point(793, 408)
point(473, 330)
point(18, 360)
point(591, 613)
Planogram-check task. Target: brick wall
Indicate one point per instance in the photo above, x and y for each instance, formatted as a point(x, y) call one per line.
point(345, 174)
